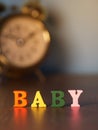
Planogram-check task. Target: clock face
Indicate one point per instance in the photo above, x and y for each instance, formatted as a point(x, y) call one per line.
point(24, 40)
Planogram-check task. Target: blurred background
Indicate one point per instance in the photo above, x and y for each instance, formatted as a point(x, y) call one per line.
point(73, 25)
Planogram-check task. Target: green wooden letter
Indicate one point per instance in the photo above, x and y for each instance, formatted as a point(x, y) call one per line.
point(57, 99)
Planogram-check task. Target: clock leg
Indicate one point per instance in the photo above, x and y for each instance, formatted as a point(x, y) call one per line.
point(39, 75)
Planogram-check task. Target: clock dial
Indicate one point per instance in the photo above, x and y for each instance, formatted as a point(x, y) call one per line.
point(24, 40)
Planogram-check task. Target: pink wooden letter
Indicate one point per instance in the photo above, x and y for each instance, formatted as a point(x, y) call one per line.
point(75, 94)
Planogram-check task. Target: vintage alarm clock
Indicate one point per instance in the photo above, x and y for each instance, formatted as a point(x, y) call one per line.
point(24, 40)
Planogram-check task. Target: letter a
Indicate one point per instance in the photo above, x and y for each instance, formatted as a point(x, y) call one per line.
point(75, 94)
point(38, 101)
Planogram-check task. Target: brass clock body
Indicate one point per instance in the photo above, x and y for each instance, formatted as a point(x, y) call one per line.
point(24, 40)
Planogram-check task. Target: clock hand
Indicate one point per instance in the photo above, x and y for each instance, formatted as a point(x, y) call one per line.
point(29, 36)
point(9, 36)
point(19, 41)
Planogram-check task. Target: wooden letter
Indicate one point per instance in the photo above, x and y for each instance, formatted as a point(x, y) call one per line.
point(38, 101)
point(20, 98)
point(75, 94)
point(58, 99)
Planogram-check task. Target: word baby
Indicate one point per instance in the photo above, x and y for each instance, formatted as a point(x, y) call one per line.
point(20, 99)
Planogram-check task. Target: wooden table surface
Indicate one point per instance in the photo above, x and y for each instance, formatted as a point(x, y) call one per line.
point(65, 118)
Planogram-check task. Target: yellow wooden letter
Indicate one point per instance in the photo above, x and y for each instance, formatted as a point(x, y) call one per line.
point(38, 101)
